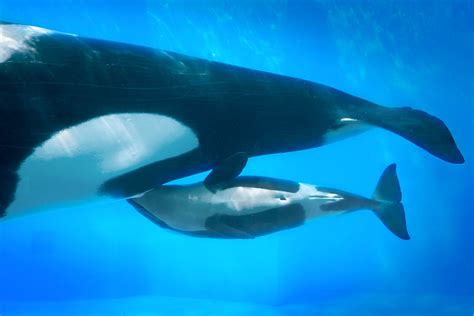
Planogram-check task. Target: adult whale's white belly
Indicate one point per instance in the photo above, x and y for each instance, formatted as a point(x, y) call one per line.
point(73, 164)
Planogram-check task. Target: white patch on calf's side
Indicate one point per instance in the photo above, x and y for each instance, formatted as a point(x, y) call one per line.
point(73, 164)
point(311, 198)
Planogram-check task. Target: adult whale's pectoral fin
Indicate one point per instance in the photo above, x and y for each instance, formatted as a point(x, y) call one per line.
point(227, 170)
point(218, 226)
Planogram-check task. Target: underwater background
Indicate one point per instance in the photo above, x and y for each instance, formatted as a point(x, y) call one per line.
point(107, 259)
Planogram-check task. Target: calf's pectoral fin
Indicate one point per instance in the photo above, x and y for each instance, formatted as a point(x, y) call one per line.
point(216, 225)
point(258, 224)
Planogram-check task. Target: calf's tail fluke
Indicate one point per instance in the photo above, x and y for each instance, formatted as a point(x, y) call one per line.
point(421, 128)
point(388, 207)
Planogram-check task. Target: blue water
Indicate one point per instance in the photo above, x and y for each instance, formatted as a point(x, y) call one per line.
point(109, 260)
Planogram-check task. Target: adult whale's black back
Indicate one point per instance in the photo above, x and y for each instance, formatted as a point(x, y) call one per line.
point(51, 82)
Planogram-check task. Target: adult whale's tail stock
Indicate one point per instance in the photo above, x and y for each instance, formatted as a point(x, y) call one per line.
point(419, 127)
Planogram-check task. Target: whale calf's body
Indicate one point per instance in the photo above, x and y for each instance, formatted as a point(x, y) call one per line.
point(82, 117)
point(248, 207)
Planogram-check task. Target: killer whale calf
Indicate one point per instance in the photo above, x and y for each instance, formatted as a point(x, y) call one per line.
point(82, 118)
point(248, 207)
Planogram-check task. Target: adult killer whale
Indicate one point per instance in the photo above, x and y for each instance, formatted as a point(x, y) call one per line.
point(84, 117)
point(249, 207)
